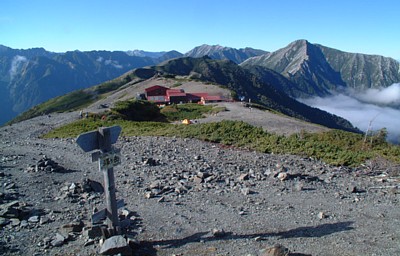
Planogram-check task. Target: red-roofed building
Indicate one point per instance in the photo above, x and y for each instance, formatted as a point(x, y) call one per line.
point(195, 97)
point(157, 94)
point(176, 96)
point(163, 95)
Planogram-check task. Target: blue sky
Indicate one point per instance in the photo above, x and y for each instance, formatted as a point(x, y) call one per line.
point(364, 26)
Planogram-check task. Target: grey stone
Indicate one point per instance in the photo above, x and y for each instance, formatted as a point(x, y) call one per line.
point(243, 176)
point(218, 232)
point(4, 221)
point(44, 220)
point(282, 176)
point(75, 226)
point(115, 245)
point(89, 242)
point(245, 191)
point(24, 224)
point(15, 222)
point(149, 195)
point(321, 215)
point(9, 210)
point(276, 250)
point(95, 186)
point(58, 240)
point(93, 232)
point(34, 219)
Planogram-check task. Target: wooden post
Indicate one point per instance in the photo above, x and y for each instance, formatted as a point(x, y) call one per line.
point(109, 184)
point(102, 139)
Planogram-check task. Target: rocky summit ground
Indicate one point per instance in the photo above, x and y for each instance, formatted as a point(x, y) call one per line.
point(187, 197)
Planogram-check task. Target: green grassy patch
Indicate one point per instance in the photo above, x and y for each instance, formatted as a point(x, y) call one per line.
point(333, 147)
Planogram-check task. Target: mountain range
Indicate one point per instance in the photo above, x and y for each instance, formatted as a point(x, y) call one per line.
point(301, 69)
point(317, 70)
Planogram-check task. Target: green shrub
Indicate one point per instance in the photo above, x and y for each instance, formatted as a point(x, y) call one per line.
point(137, 110)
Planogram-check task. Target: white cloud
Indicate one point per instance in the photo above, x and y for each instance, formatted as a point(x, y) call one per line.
point(113, 63)
point(16, 64)
point(361, 113)
point(116, 65)
point(386, 96)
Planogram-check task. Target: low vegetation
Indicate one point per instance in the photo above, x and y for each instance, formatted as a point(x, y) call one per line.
point(334, 147)
point(137, 110)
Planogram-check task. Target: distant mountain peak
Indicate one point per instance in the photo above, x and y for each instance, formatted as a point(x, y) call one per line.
point(224, 53)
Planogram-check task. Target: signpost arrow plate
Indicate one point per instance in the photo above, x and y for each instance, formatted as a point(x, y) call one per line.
point(90, 140)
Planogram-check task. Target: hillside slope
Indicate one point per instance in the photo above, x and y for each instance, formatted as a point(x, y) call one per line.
point(244, 84)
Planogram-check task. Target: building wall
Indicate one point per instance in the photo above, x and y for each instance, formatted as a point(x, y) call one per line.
point(156, 92)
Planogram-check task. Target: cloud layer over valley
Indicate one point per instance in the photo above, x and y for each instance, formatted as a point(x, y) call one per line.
point(380, 107)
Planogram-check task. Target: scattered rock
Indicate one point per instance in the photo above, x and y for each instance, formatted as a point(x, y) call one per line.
point(58, 240)
point(75, 226)
point(4, 221)
point(150, 162)
point(276, 250)
point(244, 176)
point(34, 219)
point(115, 245)
point(93, 232)
point(198, 193)
point(149, 195)
point(246, 191)
point(47, 165)
point(282, 176)
point(298, 186)
point(218, 232)
point(322, 215)
point(92, 186)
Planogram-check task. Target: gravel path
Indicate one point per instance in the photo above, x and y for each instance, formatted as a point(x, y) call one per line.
point(273, 123)
point(187, 197)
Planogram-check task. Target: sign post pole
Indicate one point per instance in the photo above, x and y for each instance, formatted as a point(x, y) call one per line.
point(109, 183)
point(107, 158)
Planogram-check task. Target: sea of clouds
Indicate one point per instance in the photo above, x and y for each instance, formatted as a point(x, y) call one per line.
point(372, 109)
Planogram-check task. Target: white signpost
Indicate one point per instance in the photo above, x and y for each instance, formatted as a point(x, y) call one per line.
point(108, 158)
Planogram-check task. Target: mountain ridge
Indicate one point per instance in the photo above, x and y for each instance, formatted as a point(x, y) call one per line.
point(244, 83)
point(319, 70)
point(224, 53)
point(312, 69)
point(23, 84)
